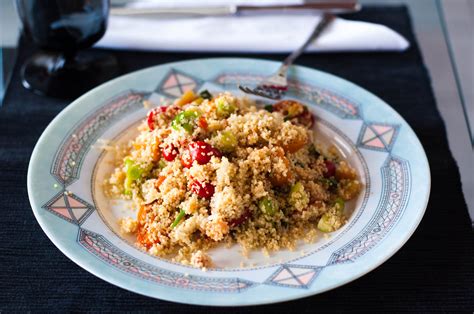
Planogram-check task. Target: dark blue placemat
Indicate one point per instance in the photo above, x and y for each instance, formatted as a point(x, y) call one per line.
point(434, 271)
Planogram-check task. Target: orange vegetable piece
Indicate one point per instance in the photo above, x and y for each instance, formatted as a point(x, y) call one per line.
point(186, 98)
point(280, 179)
point(202, 123)
point(295, 145)
point(199, 100)
point(137, 146)
point(141, 216)
point(143, 237)
point(155, 149)
point(159, 181)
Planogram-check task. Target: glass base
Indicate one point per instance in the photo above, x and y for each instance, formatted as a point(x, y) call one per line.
point(52, 74)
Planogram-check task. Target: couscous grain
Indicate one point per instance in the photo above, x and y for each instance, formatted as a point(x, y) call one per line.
point(207, 170)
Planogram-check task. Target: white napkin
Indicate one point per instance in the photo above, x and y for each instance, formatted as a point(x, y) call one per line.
point(256, 33)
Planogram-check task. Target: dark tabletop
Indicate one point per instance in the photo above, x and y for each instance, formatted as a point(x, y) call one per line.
point(433, 272)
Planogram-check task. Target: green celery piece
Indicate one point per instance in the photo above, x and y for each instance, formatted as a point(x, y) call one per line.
point(267, 206)
point(128, 186)
point(185, 120)
point(228, 141)
point(128, 162)
point(297, 193)
point(225, 109)
point(324, 224)
point(340, 204)
point(133, 172)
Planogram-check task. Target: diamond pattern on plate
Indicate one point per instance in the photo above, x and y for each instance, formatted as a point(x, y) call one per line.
point(176, 83)
point(377, 136)
point(294, 276)
point(69, 207)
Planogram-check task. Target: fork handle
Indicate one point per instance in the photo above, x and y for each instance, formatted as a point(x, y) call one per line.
point(325, 21)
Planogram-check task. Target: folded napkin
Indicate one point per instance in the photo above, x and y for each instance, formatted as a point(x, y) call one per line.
point(274, 33)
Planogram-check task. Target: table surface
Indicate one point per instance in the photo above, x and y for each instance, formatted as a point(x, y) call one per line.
point(434, 270)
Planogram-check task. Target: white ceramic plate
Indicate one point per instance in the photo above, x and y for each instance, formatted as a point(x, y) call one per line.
point(67, 167)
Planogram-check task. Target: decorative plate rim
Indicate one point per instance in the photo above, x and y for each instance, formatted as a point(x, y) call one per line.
point(385, 255)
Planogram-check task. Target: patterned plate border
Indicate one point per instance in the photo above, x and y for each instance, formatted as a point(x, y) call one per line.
point(378, 137)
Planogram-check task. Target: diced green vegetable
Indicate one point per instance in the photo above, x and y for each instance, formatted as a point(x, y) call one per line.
point(128, 186)
point(269, 108)
point(268, 206)
point(205, 94)
point(313, 150)
point(300, 164)
point(325, 224)
point(298, 196)
point(227, 141)
point(330, 182)
point(178, 218)
point(340, 204)
point(128, 162)
point(133, 173)
point(185, 120)
point(224, 108)
point(161, 164)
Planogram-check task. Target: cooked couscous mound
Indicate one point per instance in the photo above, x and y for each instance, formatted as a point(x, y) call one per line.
point(207, 170)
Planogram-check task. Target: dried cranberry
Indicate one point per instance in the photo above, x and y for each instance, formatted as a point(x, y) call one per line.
point(238, 221)
point(330, 169)
point(151, 116)
point(170, 152)
point(202, 152)
point(202, 189)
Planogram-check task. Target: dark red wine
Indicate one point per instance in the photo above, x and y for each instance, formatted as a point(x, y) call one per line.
point(61, 28)
point(65, 25)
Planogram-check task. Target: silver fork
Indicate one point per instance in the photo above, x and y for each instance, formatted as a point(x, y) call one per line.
point(275, 86)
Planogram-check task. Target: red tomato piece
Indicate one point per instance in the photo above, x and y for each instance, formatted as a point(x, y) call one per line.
point(203, 189)
point(170, 152)
point(151, 116)
point(202, 152)
point(216, 152)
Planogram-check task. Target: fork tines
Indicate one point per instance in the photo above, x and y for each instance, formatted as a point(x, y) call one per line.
point(264, 91)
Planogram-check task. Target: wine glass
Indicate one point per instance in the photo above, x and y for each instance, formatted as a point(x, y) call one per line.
point(60, 28)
